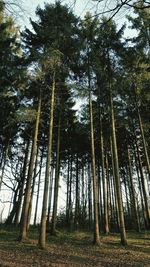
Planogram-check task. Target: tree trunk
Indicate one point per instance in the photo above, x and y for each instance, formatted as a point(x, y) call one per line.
point(141, 195)
point(76, 222)
point(83, 199)
point(113, 203)
point(24, 222)
point(67, 200)
point(50, 196)
point(147, 215)
point(33, 188)
point(95, 192)
point(3, 165)
point(115, 189)
point(38, 189)
point(142, 134)
point(57, 177)
point(22, 182)
point(117, 178)
point(127, 193)
point(106, 227)
point(133, 199)
point(100, 208)
point(108, 197)
point(70, 213)
point(14, 208)
point(89, 197)
point(42, 237)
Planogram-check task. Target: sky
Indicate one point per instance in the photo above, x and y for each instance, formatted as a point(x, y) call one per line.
point(30, 6)
point(80, 8)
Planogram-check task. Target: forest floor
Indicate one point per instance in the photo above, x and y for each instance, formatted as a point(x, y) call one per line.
point(74, 250)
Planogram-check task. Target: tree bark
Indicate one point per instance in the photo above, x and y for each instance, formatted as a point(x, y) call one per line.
point(50, 196)
point(115, 189)
point(89, 197)
point(133, 199)
point(22, 182)
point(117, 178)
point(9, 220)
point(33, 188)
point(76, 222)
point(95, 192)
point(38, 189)
point(147, 214)
point(24, 222)
point(142, 134)
point(108, 196)
point(3, 165)
point(42, 236)
point(106, 226)
point(57, 178)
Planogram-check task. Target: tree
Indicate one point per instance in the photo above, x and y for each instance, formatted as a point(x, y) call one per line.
point(27, 198)
point(51, 48)
point(53, 62)
point(88, 34)
point(12, 83)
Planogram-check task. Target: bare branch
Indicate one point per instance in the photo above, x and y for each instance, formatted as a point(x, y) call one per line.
point(13, 189)
point(118, 5)
point(15, 8)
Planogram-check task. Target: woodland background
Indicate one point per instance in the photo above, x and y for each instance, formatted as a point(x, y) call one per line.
point(75, 106)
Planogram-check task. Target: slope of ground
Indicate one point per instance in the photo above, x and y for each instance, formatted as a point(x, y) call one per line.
point(74, 250)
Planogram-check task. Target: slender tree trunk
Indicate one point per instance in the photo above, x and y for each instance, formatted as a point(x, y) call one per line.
point(24, 222)
point(96, 239)
point(142, 184)
point(133, 202)
point(100, 208)
point(147, 215)
point(95, 192)
point(83, 201)
point(117, 178)
point(67, 200)
point(77, 195)
point(57, 178)
point(48, 220)
point(127, 193)
point(115, 189)
point(10, 206)
point(4, 165)
point(70, 195)
point(106, 227)
point(89, 197)
point(14, 208)
point(141, 196)
point(144, 144)
point(108, 201)
point(101, 174)
point(33, 188)
point(42, 237)
point(142, 134)
point(113, 211)
point(38, 189)
point(22, 182)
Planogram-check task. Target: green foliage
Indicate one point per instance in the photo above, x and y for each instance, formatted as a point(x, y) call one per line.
point(12, 73)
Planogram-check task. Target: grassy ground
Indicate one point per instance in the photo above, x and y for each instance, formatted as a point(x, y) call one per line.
point(74, 250)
